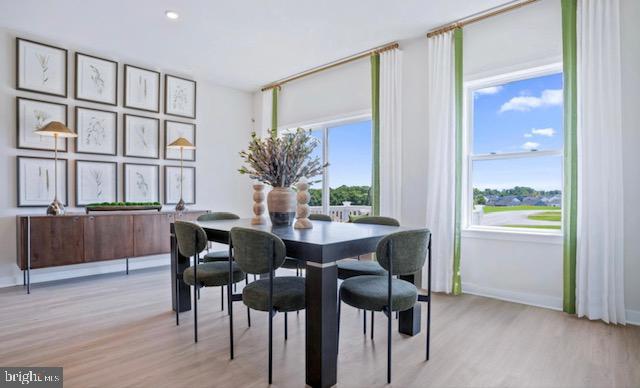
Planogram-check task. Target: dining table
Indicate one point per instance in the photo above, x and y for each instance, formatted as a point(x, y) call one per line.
point(319, 247)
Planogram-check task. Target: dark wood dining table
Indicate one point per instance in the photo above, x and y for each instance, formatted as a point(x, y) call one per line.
point(320, 248)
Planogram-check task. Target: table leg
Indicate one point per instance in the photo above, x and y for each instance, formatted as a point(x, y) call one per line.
point(178, 264)
point(409, 320)
point(321, 324)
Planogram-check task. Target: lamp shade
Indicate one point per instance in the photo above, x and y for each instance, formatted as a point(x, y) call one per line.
point(183, 143)
point(56, 128)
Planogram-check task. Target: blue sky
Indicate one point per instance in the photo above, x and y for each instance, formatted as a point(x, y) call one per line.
point(349, 154)
point(519, 116)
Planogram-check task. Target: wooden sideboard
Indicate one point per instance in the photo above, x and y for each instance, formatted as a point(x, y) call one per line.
point(48, 241)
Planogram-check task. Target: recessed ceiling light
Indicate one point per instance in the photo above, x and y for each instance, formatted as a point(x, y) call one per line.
point(172, 14)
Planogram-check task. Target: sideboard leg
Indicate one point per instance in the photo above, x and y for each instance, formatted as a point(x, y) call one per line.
point(127, 263)
point(24, 278)
point(28, 255)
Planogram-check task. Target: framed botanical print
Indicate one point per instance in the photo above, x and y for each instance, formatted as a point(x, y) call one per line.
point(179, 96)
point(141, 182)
point(174, 130)
point(41, 68)
point(36, 181)
point(35, 114)
point(96, 182)
point(96, 79)
point(172, 180)
point(141, 89)
point(141, 136)
point(97, 131)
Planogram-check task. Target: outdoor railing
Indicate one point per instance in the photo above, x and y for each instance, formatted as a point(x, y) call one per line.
point(341, 213)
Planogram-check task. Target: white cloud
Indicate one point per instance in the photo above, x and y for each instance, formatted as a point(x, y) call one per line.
point(548, 132)
point(489, 90)
point(549, 97)
point(530, 145)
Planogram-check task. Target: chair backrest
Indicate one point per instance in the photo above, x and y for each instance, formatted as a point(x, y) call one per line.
point(378, 220)
point(192, 239)
point(408, 251)
point(320, 217)
point(252, 250)
point(215, 216)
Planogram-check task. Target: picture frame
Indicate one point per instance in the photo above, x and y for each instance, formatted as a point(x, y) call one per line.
point(33, 114)
point(96, 181)
point(96, 79)
point(141, 89)
point(41, 68)
point(35, 181)
point(179, 96)
point(141, 182)
point(172, 185)
point(141, 136)
point(174, 130)
point(97, 131)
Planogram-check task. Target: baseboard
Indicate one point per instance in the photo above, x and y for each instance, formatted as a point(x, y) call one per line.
point(80, 270)
point(545, 301)
point(633, 317)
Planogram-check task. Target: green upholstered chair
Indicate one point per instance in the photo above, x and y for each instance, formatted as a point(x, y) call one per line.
point(400, 253)
point(290, 263)
point(222, 255)
point(320, 217)
point(192, 240)
point(260, 252)
point(351, 267)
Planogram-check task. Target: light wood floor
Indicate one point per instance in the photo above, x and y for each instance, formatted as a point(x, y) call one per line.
point(119, 331)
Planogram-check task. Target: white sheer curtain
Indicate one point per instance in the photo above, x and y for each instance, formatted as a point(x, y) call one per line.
point(600, 251)
point(390, 133)
point(441, 158)
point(264, 127)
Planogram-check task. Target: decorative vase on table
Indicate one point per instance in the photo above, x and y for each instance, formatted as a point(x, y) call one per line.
point(281, 161)
point(281, 202)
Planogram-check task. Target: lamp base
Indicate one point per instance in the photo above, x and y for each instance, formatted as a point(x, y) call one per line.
point(55, 208)
point(180, 206)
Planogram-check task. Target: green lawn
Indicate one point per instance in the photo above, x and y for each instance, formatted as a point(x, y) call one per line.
point(534, 226)
point(494, 209)
point(546, 216)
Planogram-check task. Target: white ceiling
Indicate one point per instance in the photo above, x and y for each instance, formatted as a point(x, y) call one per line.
point(238, 43)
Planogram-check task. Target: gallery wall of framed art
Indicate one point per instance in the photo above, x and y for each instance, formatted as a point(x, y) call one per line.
point(122, 113)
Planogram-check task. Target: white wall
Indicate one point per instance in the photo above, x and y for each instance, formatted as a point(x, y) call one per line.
point(223, 126)
point(525, 269)
point(630, 13)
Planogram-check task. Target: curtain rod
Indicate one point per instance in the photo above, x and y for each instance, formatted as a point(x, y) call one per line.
point(478, 17)
point(355, 57)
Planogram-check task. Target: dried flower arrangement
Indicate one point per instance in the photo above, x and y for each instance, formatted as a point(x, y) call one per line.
point(281, 161)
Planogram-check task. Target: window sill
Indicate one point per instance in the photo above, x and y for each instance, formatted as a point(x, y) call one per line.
point(494, 233)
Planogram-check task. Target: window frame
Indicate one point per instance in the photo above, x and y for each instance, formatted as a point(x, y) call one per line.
point(469, 157)
point(324, 125)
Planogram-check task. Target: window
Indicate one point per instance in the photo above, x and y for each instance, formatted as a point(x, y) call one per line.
point(514, 151)
point(346, 184)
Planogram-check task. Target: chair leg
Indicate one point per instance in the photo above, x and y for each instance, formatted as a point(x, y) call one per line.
point(248, 316)
point(230, 312)
point(371, 324)
point(222, 298)
point(389, 347)
point(177, 301)
point(270, 345)
point(286, 323)
point(198, 293)
point(428, 327)
point(339, 308)
point(364, 322)
point(195, 313)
